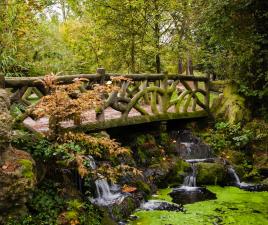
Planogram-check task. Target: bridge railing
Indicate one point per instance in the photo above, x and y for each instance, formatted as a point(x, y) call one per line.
point(148, 96)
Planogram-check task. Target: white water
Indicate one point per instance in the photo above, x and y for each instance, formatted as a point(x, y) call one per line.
point(234, 174)
point(200, 160)
point(105, 195)
point(91, 162)
point(237, 179)
point(190, 180)
point(188, 146)
point(151, 205)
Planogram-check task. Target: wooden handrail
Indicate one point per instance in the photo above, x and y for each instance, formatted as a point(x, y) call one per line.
point(17, 82)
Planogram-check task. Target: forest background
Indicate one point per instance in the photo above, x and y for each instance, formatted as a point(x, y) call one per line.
point(227, 39)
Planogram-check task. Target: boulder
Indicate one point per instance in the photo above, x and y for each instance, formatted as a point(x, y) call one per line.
point(210, 173)
point(17, 179)
point(17, 168)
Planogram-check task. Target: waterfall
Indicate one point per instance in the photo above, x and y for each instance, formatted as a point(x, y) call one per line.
point(188, 146)
point(234, 175)
point(190, 180)
point(91, 162)
point(105, 195)
point(191, 147)
point(238, 183)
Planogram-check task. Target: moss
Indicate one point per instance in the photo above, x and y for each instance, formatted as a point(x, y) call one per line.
point(232, 206)
point(27, 168)
point(100, 125)
point(143, 186)
point(177, 174)
point(230, 106)
point(210, 173)
point(163, 194)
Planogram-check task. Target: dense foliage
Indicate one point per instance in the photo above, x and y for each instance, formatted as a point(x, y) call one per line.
point(48, 206)
point(225, 38)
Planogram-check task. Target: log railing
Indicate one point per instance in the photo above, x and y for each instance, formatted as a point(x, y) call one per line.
point(147, 96)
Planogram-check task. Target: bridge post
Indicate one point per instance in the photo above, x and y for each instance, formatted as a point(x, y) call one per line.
point(100, 113)
point(207, 89)
point(2, 81)
point(101, 72)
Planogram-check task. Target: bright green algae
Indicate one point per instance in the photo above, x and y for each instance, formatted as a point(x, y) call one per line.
point(232, 206)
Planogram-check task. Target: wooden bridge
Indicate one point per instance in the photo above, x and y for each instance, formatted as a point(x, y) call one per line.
point(142, 98)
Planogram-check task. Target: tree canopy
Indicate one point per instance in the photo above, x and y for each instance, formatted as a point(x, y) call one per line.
point(225, 38)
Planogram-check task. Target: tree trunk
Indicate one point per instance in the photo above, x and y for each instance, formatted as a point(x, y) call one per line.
point(180, 66)
point(157, 38)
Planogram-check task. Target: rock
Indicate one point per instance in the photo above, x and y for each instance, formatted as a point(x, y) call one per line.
point(5, 121)
point(178, 172)
point(161, 205)
point(17, 179)
point(230, 106)
point(117, 212)
point(17, 168)
point(191, 194)
point(210, 173)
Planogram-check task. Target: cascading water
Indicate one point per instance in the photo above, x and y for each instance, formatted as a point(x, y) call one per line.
point(190, 180)
point(237, 181)
point(193, 151)
point(234, 175)
point(105, 195)
point(190, 147)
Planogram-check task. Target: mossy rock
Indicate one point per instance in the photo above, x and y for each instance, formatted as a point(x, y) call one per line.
point(177, 174)
point(143, 187)
point(230, 106)
point(116, 212)
point(17, 180)
point(27, 168)
point(210, 173)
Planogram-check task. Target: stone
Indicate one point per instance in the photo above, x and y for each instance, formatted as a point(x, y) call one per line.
point(17, 179)
point(210, 173)
point(230, 106)
point(5, 121)
point(17, 168)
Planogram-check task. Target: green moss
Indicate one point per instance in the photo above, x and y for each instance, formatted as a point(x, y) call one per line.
point(177, 174)
point(230, 106)
point(232, 206)
point(27, 168)
point(163, 194)
point(142, 186)
point(210, 173)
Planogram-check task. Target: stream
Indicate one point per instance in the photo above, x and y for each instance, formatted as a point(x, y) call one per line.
point(232, 206)
point(191, 204)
